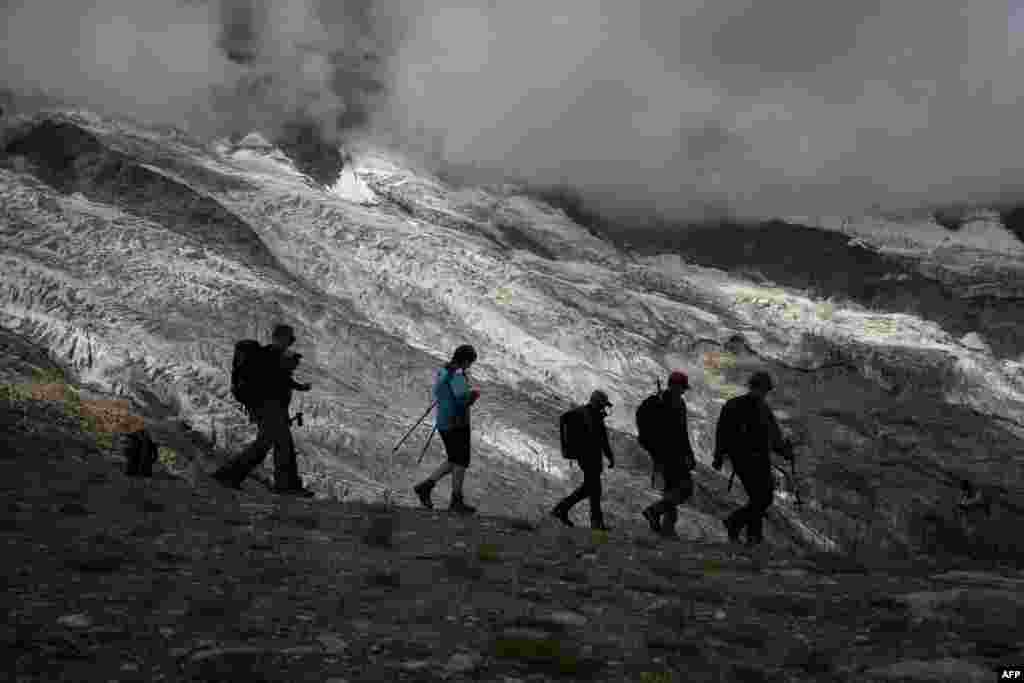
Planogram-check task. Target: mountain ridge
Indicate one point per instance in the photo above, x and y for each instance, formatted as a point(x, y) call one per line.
point(380, 292)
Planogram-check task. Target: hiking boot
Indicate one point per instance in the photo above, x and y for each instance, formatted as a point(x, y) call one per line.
point(562, 516)
point(653, 519)
point(732, 529)
point(422, 490)
point(459, 506)
point(600, 526)
point(226, 480)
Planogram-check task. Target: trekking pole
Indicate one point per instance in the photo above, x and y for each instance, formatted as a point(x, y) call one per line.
point(426, 445)
point(795, 482)
point(791, 478)
point(731, 477)
point(422, 418)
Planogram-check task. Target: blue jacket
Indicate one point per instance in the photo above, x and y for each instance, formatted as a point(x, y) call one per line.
point(452, 399)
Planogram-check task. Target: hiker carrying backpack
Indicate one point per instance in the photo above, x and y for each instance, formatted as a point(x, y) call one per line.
point(584, 439)
point(576, 431)
point(248, 372)
point(662, 431)
point(747, 433)
point(648, 417)
point(262, 382)
point(140, 452)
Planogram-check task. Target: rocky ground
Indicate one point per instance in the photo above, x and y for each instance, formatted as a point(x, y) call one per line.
point(173, 578)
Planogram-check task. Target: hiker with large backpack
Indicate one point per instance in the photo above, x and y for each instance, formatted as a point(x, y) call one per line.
point(454, 396)
point(262, 381)
point(663, 431)
point(584, 438)
point(747, 433)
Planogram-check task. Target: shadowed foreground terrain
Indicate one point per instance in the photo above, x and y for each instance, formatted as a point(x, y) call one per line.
point(173, 578)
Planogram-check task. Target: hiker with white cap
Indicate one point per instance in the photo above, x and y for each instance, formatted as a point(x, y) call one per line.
point(584, 439)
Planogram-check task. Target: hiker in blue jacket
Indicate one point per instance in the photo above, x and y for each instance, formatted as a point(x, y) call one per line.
point(454, 397)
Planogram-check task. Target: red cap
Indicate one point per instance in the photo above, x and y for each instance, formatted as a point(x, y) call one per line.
point(678, 377)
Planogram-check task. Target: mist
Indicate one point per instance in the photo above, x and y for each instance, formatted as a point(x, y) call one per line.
point(210, 67)
point(683, 110)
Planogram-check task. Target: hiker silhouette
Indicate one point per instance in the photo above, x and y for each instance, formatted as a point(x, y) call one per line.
point(584, 438)
point(667, 438)
point(454, 395)
point(269, 409)
point(747, 434)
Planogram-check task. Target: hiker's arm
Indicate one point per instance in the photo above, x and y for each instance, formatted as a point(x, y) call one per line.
point(688, 455)
point(298, 386)
point(606, 446)
point(561, 435)
point(721, 432)
point(779, 444)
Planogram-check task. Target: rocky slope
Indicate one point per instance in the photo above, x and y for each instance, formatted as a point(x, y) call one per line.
point(176, 579)
point(139, 256)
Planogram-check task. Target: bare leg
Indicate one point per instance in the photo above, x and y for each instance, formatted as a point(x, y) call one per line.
point(458, 476)
point(442, 470)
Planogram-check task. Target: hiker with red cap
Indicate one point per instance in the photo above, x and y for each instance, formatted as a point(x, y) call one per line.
point(664, 433)
point(584, 439)
point(747, 434)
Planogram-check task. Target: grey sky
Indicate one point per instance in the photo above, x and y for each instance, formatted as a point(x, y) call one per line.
point(781, 108)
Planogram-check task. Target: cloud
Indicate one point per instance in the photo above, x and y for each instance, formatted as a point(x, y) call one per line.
point(112, 55)
point(211, 66)
point(681, 108)
point(783, 108)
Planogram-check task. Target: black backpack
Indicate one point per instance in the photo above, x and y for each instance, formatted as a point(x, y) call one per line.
point(648, 418)
point(247, 373)
point(577, 432)
point(139, 452)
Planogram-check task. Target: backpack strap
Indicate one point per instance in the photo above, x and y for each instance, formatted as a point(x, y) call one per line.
point(588, 419)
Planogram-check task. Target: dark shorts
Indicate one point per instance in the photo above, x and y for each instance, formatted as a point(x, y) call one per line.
point(456, 445)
